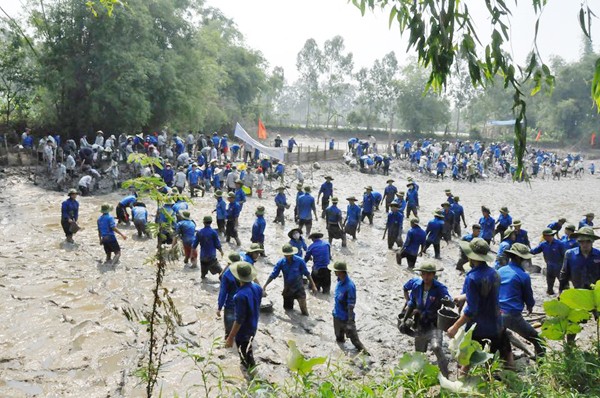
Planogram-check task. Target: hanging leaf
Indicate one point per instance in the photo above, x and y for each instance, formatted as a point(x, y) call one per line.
point(579, 299)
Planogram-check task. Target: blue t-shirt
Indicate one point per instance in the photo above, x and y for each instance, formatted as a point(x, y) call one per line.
point(186, 229)
point(319, 251)
point(368, 203)
point(487, 227)
point(106, 225)
point(128, 200)
point(140, 213)
point(70, 209)
point(515, 289)
point(292, 271)
point(345, 297)
point(258, 230)
point(299, 244)
point(305, 204)
point(228, 288)
point(554, 253)
point(221, 209)
point(352, 214)
point(482, 288)
point(429, 305)
point(415, 238)
point(209, 242)
point(434, 230)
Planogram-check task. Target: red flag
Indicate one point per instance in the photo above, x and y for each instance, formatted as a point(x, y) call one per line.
point(593, 139)
point(539, 134)
point(262, 131)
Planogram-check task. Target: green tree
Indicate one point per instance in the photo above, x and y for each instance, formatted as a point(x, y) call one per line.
point(367, 100)
point(309, 63)
point(337, 67)
point(387, 87)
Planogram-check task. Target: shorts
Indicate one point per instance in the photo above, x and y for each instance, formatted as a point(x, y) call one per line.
point(190, 252)
point(110, 244)
point(322, 279)
point(210, 264)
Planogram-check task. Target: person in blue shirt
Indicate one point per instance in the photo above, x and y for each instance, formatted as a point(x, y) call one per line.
point(327, 191)
point(588, 221)
point(448, 222)
point(232, 215)
point(389, 194)
point(281, 204)
point(581, 266)
point(228, 287)
point(209, 242)
point(440, 168)
point(252, 254)
point(378, 198)
point(258, 228)
point(106, 233)
point(449, 196)
point(168, 174)
point(412, 199)
point(69, 214)
point(568, 240)
point(306, 208)
point(221, 211)
point(480, 292)
point(186, 231)
point(487, 225)
point(299, 192)
point(139, 213)
point(291, 143)
point(352, 220)
point(293, 268)
point(401, 202)
point(195, 180)
point(508, 239)
point(335, 220)
point(425, 299)
point(368, 205)
point(556, 226)
point(554, 254)
point(122, 214)
point(393, 226)
point(475, 231)
point(521, 234)
point(320, 253)
point(224, 146)
point(297, 240)
point(459, 214)
point(386, 165)
point(246, 312)
point(279, 170)
point(433, 233)
point(344, 319)
point(503, 222)
point(515, 294)
point(240, 195)
point(413, 245)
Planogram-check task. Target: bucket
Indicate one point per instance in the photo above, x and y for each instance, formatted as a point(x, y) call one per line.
point(446, 318)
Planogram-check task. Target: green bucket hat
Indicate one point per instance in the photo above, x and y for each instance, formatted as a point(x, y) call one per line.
point(438, 213)
point(507, 233)
point(395, 204)
point(207, 220)
point(338, 266)
point(548, 232)
point(280, 188)
point(260, 211)
point(243, 271)
point(330, 178)
point(185, 215)
point(414, 220)
point(218, 194)
point(233, 257)
point(72, 191)
point(447, 191)
point(428, 267)
point(400, 193)
point(570, 227)
point(307, 189)
point(299, 187)
point(288, 250)
point(315, 235)
point(517, 223)
point(520, 250)
point(368, 188)
point(351, 199)
point(477, 249)
point(390, 181)
point(504, 210)
point(230, 195)
point(255, 247)
point(585, 234)
point(334, 200)
point(456, 198)
point(105, 208)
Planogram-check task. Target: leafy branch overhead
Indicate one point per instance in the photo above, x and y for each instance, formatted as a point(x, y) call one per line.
point(440, 31)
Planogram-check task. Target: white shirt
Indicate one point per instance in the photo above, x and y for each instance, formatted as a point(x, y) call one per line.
point(85, 181)
point(70, 162)
point(231, 178)
point(179, 179)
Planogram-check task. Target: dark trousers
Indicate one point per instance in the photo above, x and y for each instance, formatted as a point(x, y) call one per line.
point(369, 216)
point(279, 217)
point(122, 214)
point(394, 237)
point(221, 225)
point(66, 226)
point(552, 273)
point(411, 209)
point(307, 223)
point(324, 205)
point(228, 320)
point(246, 354)
point(322, 279)
point(412, 260)
point(343, 329)
point(436, 248)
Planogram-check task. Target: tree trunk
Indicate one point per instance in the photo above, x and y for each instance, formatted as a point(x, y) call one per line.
point(307, 110)
point(457, 120)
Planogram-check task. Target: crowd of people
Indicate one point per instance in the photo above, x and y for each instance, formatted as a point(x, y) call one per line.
point(496, 288)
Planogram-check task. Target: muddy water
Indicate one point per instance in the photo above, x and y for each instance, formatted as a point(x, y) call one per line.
point(62, 328)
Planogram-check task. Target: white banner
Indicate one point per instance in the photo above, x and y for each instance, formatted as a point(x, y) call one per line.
point(277, 153)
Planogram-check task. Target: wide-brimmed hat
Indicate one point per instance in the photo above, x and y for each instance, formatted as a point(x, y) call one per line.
point(447, 191)
point(334, 199)
point(255, 247)
point(504, 209)
point(299, 186)
point(329, 178)
point(315, 235)
point(476, 226)
point(410, 184)
point(280, 188)
point(292, 232)
point(400, 193)
point(351, 198)
point(485, 208)
point(519, 249)
point(233, 257)
point(570, 227)
point(230, 195)
point(338, 266)
point(414, 220)
point(206, 219)
point(185, 215)
point(477, 249)
point(585, 233)
point(438, 213)
point(218, 194)
point(72, 191)
point(307, 189)
point(548, 232)
point(456, 198)
point(517, 223)
point(395, 204)
point(429, 267)
point(562, 220)
point(239, 182)
point(368, 188)
point(288, 250)
point(445, 204)
point(389, 181)
point(260, 210)
point(243, 271)
point(507, 232)
point(105, 208)
point(589, 214)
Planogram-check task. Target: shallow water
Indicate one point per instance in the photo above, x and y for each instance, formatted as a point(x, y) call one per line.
point(62, 328)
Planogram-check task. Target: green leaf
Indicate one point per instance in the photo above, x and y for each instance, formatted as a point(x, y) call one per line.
point(556, 308)
point(411, 363)
point(554, 328)
point(393, 14)
point(578, 299)
point(578, 316)
point(465, 386)
point(573, 328)
point(480, 357)
point(298, 363)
